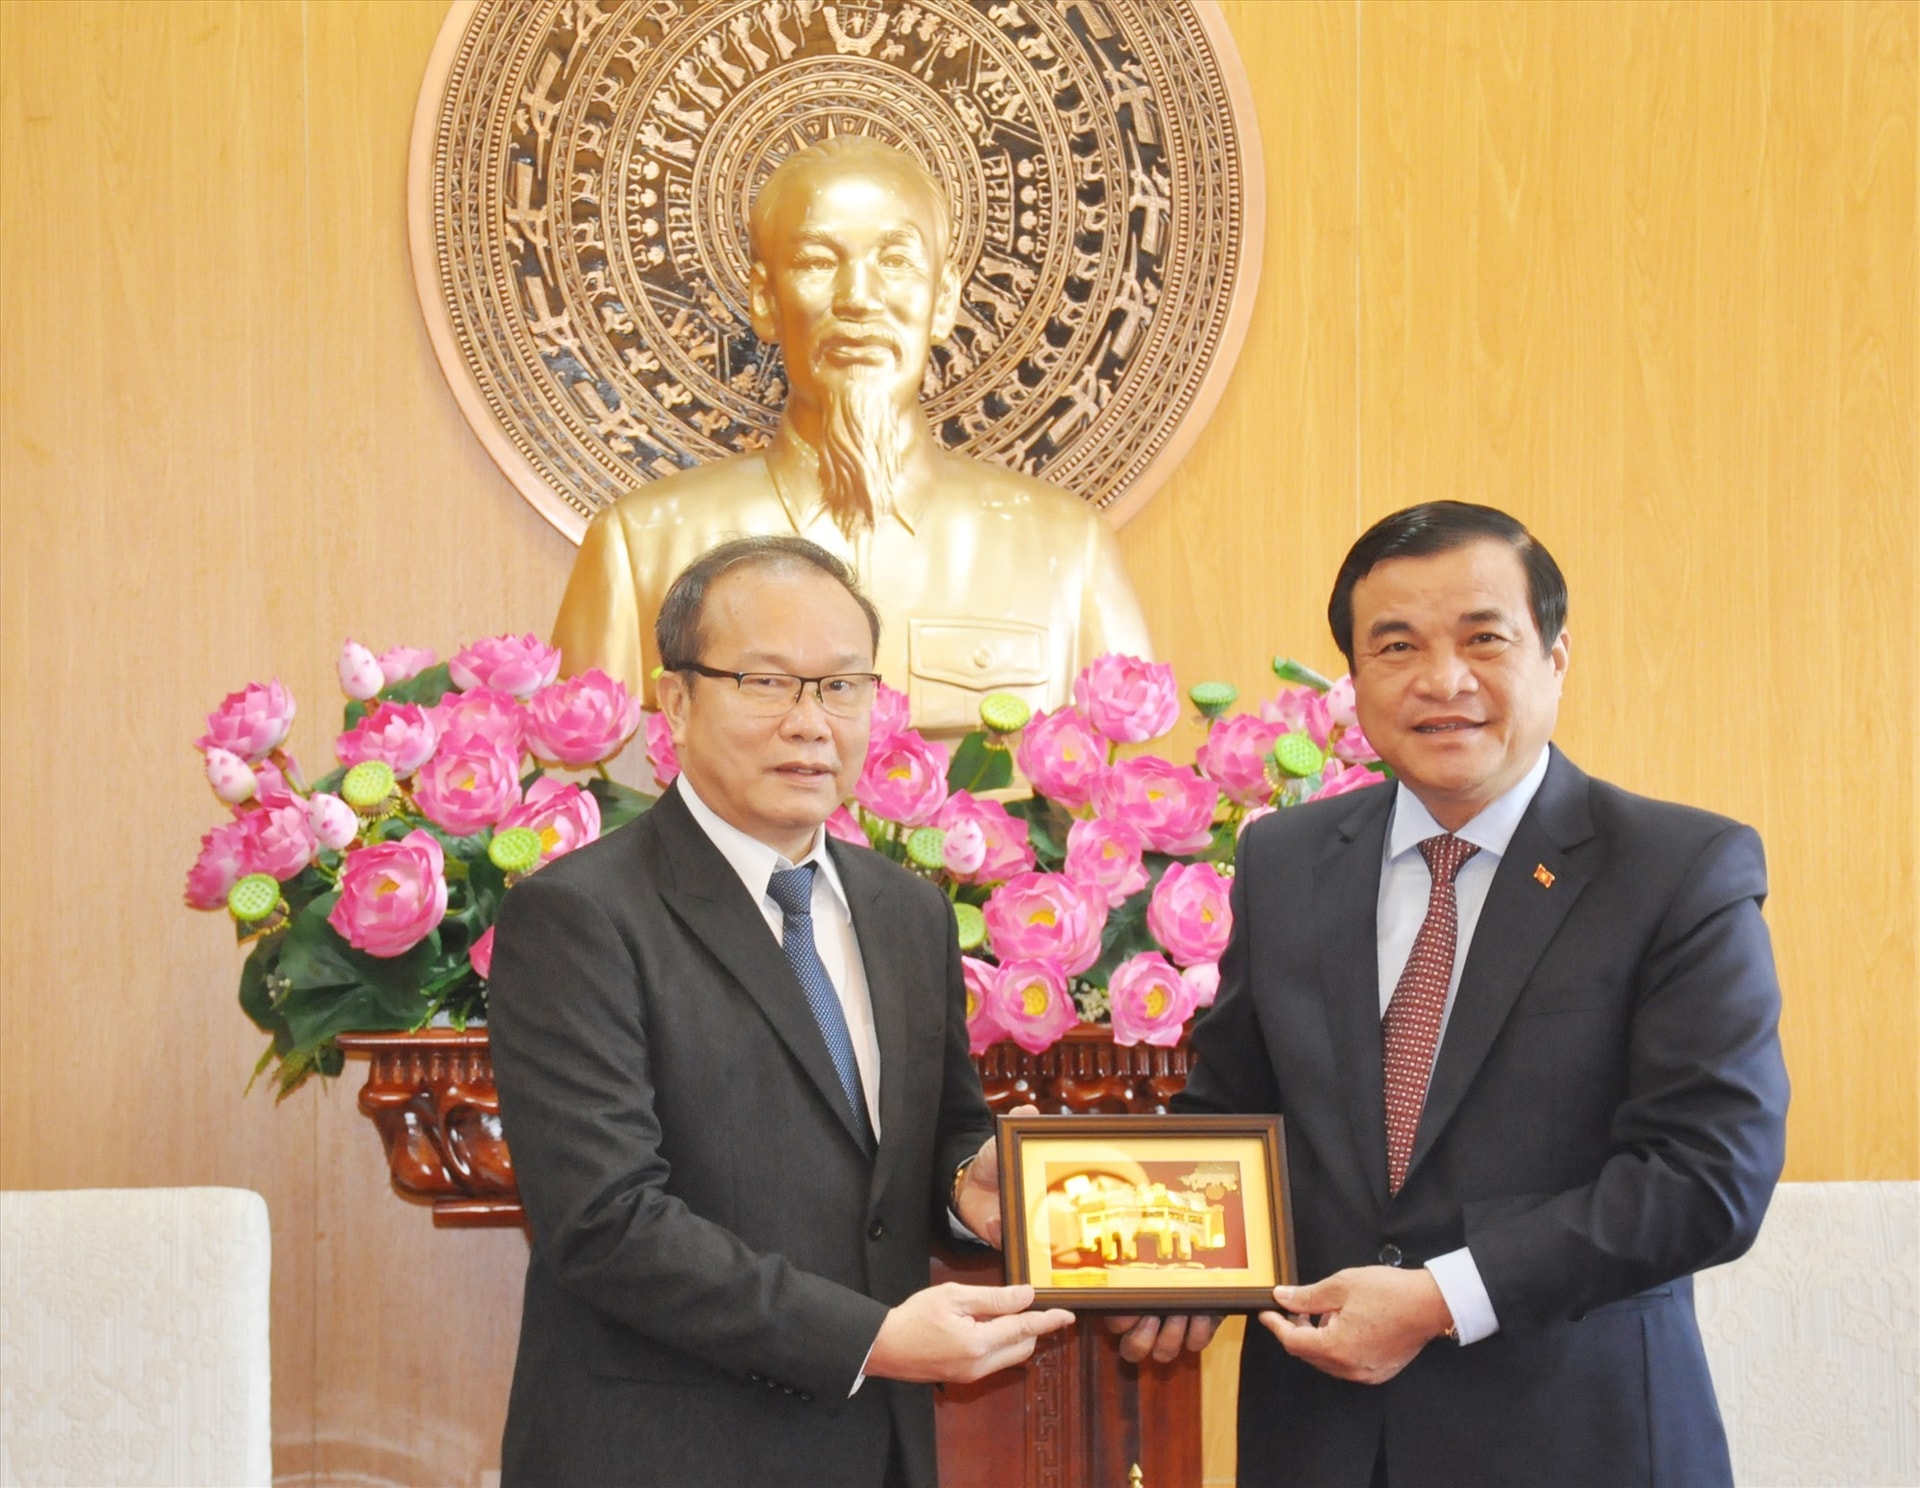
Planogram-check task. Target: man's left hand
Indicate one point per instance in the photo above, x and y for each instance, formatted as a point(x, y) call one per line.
point(978, 1202)
point(1372, 1321)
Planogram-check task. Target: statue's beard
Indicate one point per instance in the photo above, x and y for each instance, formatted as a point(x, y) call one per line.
point(863, 445)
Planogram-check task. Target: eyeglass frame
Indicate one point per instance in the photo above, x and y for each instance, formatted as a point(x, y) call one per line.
point(739, 679)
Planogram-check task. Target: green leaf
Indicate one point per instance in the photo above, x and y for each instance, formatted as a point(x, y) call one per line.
point(1047, 826)
point(978, 766)
point(255, 1001)
point(426, 689)
point(619, 804)
point(1125, 935)
point(313, 1020)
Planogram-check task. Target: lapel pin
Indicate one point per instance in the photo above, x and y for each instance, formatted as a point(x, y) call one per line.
point(1541, 876)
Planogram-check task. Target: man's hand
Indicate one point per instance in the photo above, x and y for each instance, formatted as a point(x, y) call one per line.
point(978, 1202)
point(953, 1334)
point(1162, 1337)
point(1372, 1321)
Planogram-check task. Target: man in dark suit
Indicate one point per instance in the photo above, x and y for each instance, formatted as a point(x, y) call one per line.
point(1522, 1026)
point(732, 1060)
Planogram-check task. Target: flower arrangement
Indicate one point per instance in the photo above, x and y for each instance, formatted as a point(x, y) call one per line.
point(369, 897)
point(1102, 895)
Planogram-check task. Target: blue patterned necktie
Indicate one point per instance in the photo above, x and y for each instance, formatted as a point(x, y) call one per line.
point(792, 890)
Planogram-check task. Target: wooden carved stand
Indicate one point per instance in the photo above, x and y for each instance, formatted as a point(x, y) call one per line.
point(1076, 1417)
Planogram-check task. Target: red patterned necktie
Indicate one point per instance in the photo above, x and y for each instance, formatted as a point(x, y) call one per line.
point(1411, 1028)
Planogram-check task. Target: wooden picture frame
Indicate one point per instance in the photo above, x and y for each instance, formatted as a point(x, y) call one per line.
point(1147, 1213)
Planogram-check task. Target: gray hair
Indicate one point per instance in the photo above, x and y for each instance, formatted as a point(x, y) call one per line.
point(677, 630)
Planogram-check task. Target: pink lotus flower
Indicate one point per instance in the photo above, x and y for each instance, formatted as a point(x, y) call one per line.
point(1340, 704)
point(1234, 756)
point(1338, 782)
point(467, 786)
point(1046, 916)
point(581, 721)
point(480, 954)
point(270, 786)
point(1127, 699)
point(984, 1028)
point(1029, 999)
point(1352, 745)
point(1006, 848)
point(564, 815)
point(890, 712)
point(1151, 1002)
point(402, 735)
point(521, 665)
point(1063, 757)
point(963, 848)
point(1299, 710)
point(221, 864)
point(230, 776)
point(1189, 912)
point(905, 779)
point(1204, 978)
point(660, 753)
point(392, 895)
point(331, 820)
point(844, 825)
point(360, 675)
point(277, 840)
point(404, 663)
point(1170, 807)
point(485, 714)
point(252, 722)
point(1105, 854)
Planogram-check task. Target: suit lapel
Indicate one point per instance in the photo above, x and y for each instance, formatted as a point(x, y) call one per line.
point(1519, 919)
point(707, 896)
point(1346, 898)
point(878, 931)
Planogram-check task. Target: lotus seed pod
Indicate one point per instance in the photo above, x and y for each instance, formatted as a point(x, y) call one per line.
point(516, 850)
point(1298, 756)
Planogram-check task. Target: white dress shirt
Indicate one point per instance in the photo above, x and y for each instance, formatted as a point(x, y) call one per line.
point(1405, 886)
point(833, 935)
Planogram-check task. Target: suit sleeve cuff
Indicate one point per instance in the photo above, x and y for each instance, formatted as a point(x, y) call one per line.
point(1465, 1295)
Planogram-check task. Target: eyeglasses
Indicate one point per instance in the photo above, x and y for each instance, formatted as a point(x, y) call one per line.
point(844, 695)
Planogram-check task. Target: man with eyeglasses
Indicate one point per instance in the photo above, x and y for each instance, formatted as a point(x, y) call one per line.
point(732, 1059)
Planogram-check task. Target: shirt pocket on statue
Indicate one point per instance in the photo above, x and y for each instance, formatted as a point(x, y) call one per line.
point(953, 664)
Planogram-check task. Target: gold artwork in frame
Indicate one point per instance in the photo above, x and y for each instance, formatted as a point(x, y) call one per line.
point(1147, 1213)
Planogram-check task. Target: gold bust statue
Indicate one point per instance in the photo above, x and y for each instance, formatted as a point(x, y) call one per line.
point(987, 580)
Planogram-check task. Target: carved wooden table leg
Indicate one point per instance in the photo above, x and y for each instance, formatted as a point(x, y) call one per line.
point(432, 1097)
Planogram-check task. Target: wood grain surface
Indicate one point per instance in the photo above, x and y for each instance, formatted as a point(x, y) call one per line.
point(1644, 274)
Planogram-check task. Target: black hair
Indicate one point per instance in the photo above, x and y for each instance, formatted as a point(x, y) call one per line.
point(1439, 527)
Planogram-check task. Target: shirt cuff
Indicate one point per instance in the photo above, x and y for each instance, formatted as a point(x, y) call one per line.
point(1465, 1295)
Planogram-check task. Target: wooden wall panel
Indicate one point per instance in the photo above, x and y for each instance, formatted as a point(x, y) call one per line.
point(151, 164)
point(1643, 273)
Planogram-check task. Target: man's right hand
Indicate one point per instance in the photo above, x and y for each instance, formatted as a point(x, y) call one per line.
point(953, 1334)
point(1162, 1337)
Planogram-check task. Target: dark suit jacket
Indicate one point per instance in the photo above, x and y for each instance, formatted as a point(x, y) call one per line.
point(713, 1252)
point(1606, 1116)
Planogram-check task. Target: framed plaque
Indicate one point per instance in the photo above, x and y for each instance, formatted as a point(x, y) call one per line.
point(1147, 1213)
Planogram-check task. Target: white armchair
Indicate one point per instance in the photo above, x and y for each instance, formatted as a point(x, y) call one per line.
point(1814, 1339)
point(133, 1337)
